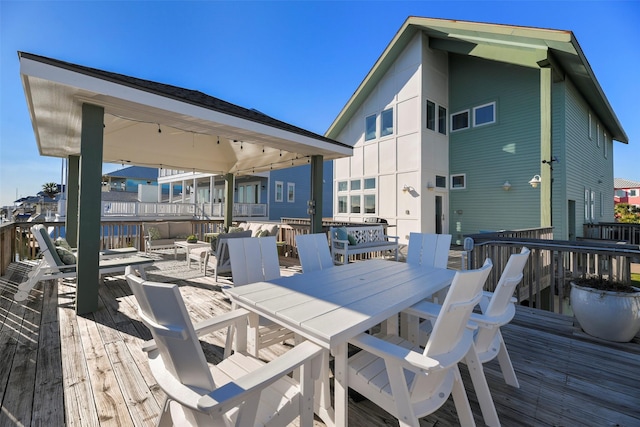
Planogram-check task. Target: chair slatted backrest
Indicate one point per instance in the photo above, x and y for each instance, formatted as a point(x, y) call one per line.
point(313, 251)
point(464, 293)
point(253, 259)
point(511, 276)
point(47, 248)
point(428, 249)
point(162, 310)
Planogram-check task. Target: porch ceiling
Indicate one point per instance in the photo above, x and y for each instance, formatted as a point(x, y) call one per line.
point(152, 124)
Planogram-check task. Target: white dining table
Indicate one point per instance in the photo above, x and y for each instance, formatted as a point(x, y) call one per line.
point(331, 306)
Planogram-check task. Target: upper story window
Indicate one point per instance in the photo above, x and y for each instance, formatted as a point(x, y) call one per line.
point(369, 183)
point(598, 134)
point(356, 184)
point(484, 114)
point(590, 131)
point(431, 115)
point(606, 146)
point(441, 181)
point(386, 122)
point(342, 186)
point(633, 193)
point(442, 120)
point(458, 182)
point(460, 120)
point(370, 127)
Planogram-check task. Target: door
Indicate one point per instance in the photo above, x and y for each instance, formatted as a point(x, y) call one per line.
point(571, 224)
point(439, 215)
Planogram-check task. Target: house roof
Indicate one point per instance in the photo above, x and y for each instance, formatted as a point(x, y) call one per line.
point(135, 172)
point(153, 124)
point(619, 183)
point(525, 46)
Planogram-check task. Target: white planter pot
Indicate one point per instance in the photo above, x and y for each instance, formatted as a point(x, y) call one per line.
point(613, 316)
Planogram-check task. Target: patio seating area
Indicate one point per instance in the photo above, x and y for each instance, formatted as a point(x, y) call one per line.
point(61, 368)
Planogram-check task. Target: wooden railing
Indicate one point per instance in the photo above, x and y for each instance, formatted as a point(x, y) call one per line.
point(624, 232)
point(180, 210)
point(553, 264)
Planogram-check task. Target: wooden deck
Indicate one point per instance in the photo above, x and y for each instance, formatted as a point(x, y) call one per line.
point(58, 368)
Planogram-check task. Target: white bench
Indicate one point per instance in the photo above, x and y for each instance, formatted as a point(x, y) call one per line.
point(360, 240)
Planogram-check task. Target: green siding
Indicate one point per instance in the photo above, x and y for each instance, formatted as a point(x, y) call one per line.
point(490, 155)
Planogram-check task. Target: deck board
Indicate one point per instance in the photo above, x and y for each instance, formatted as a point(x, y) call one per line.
point(90, 370)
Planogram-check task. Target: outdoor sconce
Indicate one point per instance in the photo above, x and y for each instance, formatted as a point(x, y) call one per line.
point(430, 185)
point(405, 188)
point(506, 186)
point(535, 181)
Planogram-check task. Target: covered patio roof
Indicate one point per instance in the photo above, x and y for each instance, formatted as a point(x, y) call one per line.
point(153, 124)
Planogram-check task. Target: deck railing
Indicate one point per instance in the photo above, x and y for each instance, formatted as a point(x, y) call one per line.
point(180, 210)
point(553, 264)
point(624, 232)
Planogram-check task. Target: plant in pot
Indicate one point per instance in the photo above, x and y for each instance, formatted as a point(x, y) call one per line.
point(192, 238)
point(606, 309)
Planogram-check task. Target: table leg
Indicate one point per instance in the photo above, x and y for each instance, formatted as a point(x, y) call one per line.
point(322, 394)
point(340, 385)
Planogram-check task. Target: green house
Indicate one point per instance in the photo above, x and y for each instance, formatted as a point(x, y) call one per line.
point(463, 127)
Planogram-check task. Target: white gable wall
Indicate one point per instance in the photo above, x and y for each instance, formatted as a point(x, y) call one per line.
point(399, 159)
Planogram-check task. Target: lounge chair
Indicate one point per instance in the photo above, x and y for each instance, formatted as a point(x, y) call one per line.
point(52, 266)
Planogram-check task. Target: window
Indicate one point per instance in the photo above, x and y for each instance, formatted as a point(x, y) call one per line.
point(633, 193)
point(279, 191)
point(460, 121)
point(369, 203)
point(386, 122)
point(586, 204)
point(593, 205)
point(458, 182)
point(369, 183)
point(601, 205)
point(342, 185)
point(590, 126)
point(441, 181)
point(606, 146)
point(355, 204)
point(370, 128)
point(291, 192)
point(442, 120)
point(356, 184)
point(342, 204)
point(484, 114)
point(431, 115)
point(598, 134)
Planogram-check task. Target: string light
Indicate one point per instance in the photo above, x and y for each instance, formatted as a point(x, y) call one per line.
point(218, 140)
point(159, 130)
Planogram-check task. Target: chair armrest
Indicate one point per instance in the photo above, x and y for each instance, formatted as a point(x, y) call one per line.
point(392, 237)
point(406, 357)
point(424, 310)
point(345, 242)
point(208, 326)
point(493, 321)
point(232, 394)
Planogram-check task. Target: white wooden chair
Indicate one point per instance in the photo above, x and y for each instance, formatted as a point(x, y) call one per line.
point(411, 381)
point(240, 390)
point(255, 259)
point(429, 249)
point(52, 267)
point(218, 259)
point(313, 252)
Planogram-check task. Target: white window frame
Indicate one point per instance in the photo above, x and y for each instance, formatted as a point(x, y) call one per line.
point(586, 204)
point(375, 127)
point(279, 184)
point(442, 129)
point(475, 109)
point(601, 205)
point(593, 205)
point(346, 204)
point(456, 114)
point(606, 146)
point(393, 127)
point(435, 115)
point(464, 179)
point(590, 132)
point(598, 134)
point(291, 192)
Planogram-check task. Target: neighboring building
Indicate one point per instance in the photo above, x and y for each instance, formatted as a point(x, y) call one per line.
point(626, 191)
point(456, 119)
point(266, 195)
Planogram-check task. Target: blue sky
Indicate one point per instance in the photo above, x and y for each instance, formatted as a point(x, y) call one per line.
point(297, 61)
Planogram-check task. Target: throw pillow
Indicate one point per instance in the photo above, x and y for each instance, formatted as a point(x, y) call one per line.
point(154, 233)
point(263, 233)
point(341, 233)
point(66, 256)
point(62, 242)
point(235, 229)
point(352, 240)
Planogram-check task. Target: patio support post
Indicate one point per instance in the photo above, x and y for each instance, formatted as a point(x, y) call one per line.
point(546, 152)
point(316, 194)
point(228, 202)
point(91, 146)
point(71, 221)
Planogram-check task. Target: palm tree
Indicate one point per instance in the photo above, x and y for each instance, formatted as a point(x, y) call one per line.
point(50, 189)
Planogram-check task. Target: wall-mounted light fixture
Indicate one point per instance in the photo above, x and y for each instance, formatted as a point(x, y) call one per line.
point(430, 185)
point(406, 188)
point(506, 186)
point(535, 181)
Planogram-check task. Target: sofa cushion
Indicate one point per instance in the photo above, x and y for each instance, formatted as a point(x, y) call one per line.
point(351, 239)
point(255, 228)
point(162, 242)
point(179, 230)
point(271, 228)
point(341, 233)
point(66, 256)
